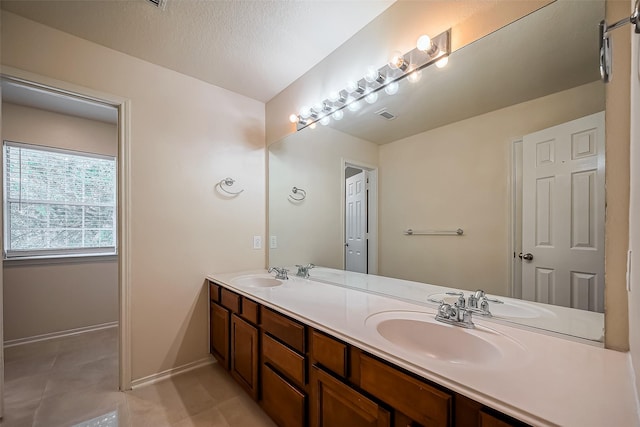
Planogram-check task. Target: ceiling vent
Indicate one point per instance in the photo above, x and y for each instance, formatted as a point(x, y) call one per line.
point(158, 3)
point(385, 114)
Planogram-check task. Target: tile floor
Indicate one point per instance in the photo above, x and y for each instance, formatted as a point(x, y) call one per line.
point(73, 382)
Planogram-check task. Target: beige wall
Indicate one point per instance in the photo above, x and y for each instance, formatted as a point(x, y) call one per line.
point(458, 176)
point(634, 213)
point(64, 294)
point(40, 127)
point(311, 231)
point(186, 136)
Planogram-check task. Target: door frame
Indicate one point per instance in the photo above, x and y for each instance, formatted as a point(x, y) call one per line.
point(515, 217)
point(123, 106)
point(372, 211)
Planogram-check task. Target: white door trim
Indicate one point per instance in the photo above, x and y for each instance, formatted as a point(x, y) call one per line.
point(515, 218)
point(124, 201)
point(372, 209)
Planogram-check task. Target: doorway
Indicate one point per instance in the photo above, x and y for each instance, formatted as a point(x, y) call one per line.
point(558, 215)
point(26, 95)
point(360, 217)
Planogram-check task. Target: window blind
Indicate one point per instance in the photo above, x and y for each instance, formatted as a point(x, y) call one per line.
point(58, 202)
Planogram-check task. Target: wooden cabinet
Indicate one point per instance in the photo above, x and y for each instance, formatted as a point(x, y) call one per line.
point(303, 377)
point(422, 402)
point(334, 403)
point(284, 402)
point(244, 354)
point(219, 333)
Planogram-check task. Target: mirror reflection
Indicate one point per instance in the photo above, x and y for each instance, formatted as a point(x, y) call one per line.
point(486, 174)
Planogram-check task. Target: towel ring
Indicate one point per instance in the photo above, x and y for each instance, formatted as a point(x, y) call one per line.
point(228, 183)
point(300, 192)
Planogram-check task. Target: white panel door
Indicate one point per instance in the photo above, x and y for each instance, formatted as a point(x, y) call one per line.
point(563, 214)
point(356, 223)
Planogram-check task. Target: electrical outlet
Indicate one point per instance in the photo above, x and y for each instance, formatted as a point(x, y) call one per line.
point(257, 242)
point(273, 242)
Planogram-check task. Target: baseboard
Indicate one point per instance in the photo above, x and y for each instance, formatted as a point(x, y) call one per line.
point(59, 334)
point(154, 378)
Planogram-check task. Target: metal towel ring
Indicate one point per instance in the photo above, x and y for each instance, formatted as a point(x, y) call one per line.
point(228, 183)
point(301, 194)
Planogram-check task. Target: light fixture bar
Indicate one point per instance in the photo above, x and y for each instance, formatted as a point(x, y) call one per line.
point(418, 59)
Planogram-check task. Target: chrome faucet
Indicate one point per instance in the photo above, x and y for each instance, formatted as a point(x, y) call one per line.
point(281, 272)
point(456, 314)
point(303, 270)
point(477, 302)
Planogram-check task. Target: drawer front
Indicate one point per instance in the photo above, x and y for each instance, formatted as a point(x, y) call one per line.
point(423, 403)
point(287, 330)
point(230, 300)
point(282, 401)
point(330, 353)
point(250, 311)
point(214, 292)
point(285, 360)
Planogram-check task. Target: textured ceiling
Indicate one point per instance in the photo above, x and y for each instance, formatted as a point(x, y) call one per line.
point(255, 48)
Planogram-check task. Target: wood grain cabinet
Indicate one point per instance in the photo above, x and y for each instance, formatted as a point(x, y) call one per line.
point(302, 377)
point(219, 318)
point(244, 355)
point(335, 403)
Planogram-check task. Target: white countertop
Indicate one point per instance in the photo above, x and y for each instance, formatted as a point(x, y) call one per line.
point(552, 381)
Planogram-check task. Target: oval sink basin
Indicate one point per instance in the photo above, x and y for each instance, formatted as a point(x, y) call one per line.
point(508, 309)
point(420, 334)
point(256, 281)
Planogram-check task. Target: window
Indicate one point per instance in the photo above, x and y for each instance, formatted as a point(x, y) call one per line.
point(58, 202)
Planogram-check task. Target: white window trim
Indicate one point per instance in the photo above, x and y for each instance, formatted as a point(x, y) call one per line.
point(43, 254)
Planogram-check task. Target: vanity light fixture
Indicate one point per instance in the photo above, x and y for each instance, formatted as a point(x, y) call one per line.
point(606, 44)
point(428, 51)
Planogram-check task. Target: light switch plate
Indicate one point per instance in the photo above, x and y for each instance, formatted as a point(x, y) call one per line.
point(257, 242)
point(273, 242)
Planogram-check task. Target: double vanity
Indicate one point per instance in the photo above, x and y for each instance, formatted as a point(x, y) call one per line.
point(321, 354)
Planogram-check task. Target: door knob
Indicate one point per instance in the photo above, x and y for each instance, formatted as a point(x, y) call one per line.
point(526, 257)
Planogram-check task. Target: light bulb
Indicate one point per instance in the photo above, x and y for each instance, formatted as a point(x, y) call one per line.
point(442, 62)
point(312, 125)
point(305, 112)
point(293, 118)
point(325, 120)
point(424, 43)
point(371, 98)
point(338, 115)
point(354, 106)
point(415, 76)
point(397, 61)
point(372, 75)
point(392, 88)
point(333, 96)
point(317, 107)
point(352, 86)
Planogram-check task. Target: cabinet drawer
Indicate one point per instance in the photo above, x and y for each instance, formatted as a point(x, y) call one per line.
point(283, 359)
point(329, 352)
point(251, 311)
point(287, 330)
point(214, 292)
point(230, 300)
point(282, 401)
point(423, 403)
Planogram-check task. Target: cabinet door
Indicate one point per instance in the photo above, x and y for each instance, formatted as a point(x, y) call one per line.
point(219, 330)
point(282, 400)
point(244, 355)
point(336, 404)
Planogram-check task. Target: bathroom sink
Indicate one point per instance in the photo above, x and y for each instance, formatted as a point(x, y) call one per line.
point(256, 281)
point(508, 308)
point(420, 334)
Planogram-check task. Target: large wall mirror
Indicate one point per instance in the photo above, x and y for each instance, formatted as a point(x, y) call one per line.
point(506, 143)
